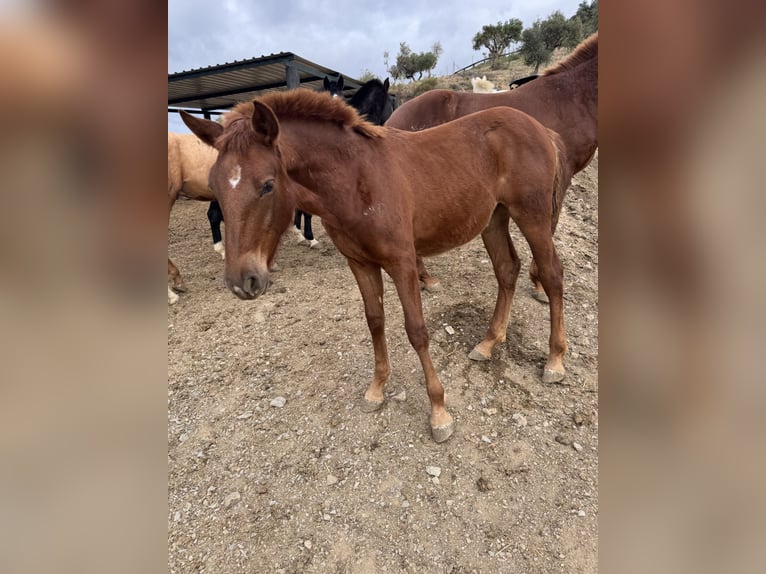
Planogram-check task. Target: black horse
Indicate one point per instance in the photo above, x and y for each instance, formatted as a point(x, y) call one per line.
point(521, 81)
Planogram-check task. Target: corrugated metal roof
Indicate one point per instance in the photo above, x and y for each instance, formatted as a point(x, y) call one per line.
point(220, 87)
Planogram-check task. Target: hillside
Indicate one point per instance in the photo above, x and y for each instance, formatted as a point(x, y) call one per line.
point(512, 69)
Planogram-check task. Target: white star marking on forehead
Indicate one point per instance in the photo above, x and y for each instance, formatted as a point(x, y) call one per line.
point(235, 177)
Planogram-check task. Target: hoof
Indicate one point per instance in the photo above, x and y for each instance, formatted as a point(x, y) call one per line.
point(477, 356)
point(551, 376)
point(433, 288)
point(442, 433)
point(180, 288)
point(540, 296)
point(313, 243)
point(369, 406)
point(172, 298)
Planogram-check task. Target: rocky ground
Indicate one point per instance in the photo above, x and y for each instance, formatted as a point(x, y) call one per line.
point(272, 467)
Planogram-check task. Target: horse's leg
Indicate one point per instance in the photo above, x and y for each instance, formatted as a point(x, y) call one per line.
point(173, 273)
point(431, 284)
point(307, 232)
point(550, 272)
point(506, 264)
point(297, 225)
point(175, 276)
point(215, 217)
point(370, 282)
point(405, 277)
point(172, 297)
point(537, 291)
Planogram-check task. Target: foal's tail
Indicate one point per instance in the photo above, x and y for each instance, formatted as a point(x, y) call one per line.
point(561, 178)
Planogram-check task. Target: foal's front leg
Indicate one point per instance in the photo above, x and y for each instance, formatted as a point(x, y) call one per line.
point(405, 276)
point(370, 282)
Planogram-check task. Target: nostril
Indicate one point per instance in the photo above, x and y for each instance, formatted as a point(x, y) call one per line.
point(254, 285)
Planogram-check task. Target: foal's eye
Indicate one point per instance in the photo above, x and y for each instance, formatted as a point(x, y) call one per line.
point(267, 187)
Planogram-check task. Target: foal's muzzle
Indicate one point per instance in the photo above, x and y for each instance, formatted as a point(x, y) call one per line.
point(251, 285)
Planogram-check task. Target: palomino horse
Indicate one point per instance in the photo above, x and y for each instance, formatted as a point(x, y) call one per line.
point(189, 162)
point(563, 98)
point(386, 196)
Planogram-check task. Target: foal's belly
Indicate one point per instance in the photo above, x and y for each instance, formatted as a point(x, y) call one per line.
point(444, 229)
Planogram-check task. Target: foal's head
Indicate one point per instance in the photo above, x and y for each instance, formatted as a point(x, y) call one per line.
point(250, 183)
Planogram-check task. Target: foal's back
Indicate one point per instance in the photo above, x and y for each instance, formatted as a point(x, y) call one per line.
point(456, 174)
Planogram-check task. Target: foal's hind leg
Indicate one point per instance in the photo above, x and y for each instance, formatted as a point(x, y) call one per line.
point(538, 235)
point(405, 276)
point(506, 264)
point(431, 284)
point(537, 290)
point(370, 282)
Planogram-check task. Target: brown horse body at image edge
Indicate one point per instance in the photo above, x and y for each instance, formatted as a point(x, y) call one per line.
point(563, 98)
point(385, 197)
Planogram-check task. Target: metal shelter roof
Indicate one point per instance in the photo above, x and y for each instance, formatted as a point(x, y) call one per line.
point(220, 87)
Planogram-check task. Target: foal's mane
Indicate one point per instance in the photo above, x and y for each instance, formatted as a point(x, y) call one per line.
point(299, 104)
point(584, 52)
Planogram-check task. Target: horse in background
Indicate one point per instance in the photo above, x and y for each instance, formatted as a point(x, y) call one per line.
point(521, 81)
point(189, 163)
point(385, 197)
point(335, 88)
point(370, 100)
point(483, 86)
point(373, 101)
point(564, 98)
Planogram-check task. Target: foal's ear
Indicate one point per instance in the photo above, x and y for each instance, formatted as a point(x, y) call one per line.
point(385, 84)
point(340, 83)
point(206, 130)
point(265, 122)
point(326, 84)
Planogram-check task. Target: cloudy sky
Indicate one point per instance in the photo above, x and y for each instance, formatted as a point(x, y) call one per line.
point(346, 35)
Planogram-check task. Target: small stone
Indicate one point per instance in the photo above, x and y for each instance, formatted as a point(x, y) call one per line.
point(580, 513)
point(405, 504)
point(278, 402)
point(176, 516)
point(230, 498)
point(577, 446)
point(261, 489)
point(519, 419)
point(307, 544)
point(489, 412)
point(401, 397)
point(486, 439)
point(245, 415)
point(326, 517)
point(450, 330)
point(435, 480)
point(433, 471)
point(563, 439)
point(331, 479)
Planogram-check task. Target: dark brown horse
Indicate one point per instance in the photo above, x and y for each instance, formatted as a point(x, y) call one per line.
point(386, 196)
point(563, 98)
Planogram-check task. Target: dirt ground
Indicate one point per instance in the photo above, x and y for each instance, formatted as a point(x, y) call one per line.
point(273, 468)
